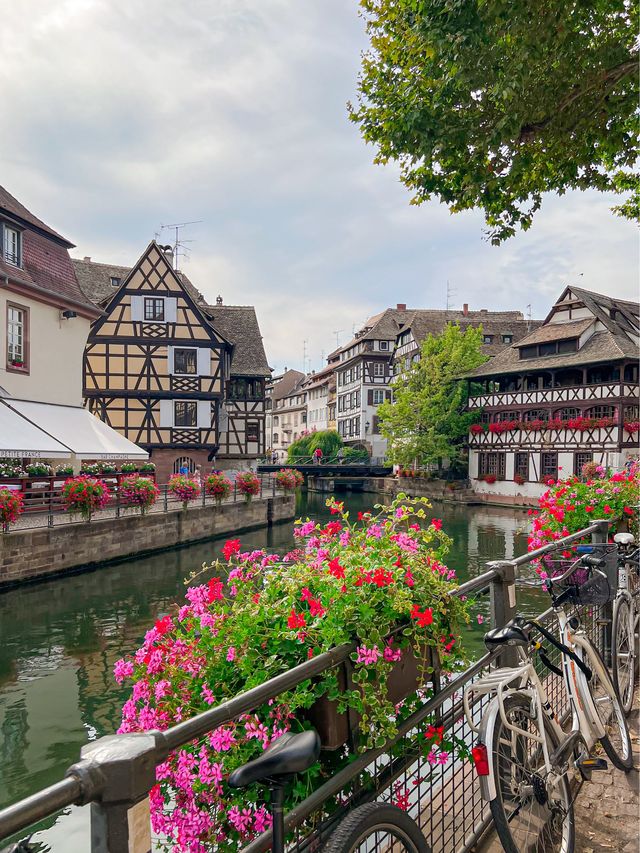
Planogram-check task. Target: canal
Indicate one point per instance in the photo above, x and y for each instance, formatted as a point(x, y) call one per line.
point(59, 641)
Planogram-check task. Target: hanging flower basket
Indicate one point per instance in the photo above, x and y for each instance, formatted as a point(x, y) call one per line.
point(289, 479)
point(84, 495)
point(138, 492)
point(218, 487)
point(248, 485)
point(185, 488)
point(11, 508)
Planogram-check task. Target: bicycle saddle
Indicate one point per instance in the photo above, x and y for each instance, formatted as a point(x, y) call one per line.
point(509, 635)
point(291, 753)
point(624, 539)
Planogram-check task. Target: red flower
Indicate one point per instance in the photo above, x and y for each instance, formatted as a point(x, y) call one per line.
point(607, 508)
point(335, 568)
point(332, 528)
point(296, 620)
point(437, 523)
point(425, 618)
point(588, 508)
point(435, 733)
point(363, 516)
point(315, 607)
point(408, 578)
point(163, 625)
point(215, 586)
point(382, 578)
point(231, 547)
point(337, 508)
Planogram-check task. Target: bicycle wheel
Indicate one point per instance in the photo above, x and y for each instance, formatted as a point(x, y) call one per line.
point(616, 741)
point(532, 811)
point(377, 827)
point(623, 651)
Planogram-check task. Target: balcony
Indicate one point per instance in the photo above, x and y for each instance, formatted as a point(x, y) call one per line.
point(554, 396)
point(552, 436)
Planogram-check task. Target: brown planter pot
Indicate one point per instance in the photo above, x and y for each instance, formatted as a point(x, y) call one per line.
point(336, 729)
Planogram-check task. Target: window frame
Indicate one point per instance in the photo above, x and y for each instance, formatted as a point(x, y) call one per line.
point(378, 369)
point(12, 368)
point(551, 470)
point(380, 393)
point(154, 301)
point(14, 260)
point(253, 427)
point(521, 463)
point(193, 350)
point(580, 459)
point(187, 404)
point(115, 281)
point(383, 345)
point(494, 463)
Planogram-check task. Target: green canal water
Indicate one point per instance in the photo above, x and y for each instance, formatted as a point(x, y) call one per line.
point(59, 641)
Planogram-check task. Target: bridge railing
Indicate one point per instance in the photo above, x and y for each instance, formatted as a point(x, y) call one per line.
point(115, 773)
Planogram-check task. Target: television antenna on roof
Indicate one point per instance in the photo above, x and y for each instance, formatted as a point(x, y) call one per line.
point(450, 292)
point(179, 244)
point(337, 334)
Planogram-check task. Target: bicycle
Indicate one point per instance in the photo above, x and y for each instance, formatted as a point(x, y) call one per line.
point(626, 620)
point(371, 826)
point(523, 756)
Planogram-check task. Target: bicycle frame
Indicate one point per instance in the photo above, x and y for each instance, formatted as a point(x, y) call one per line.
point(524, 679)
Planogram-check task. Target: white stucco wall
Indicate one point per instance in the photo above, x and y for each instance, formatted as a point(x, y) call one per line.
point(56, 349)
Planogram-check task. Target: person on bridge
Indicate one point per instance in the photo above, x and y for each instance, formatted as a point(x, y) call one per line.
point(317, 455)
point(341, 456)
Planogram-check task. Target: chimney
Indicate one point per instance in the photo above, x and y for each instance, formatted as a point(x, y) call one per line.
point(168, 253)
point(218, 300)
point(87, 258)
point(465, 309)
point(483, 311)
point(401, 306)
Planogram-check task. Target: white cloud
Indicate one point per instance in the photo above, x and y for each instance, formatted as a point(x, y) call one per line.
point(129, 114)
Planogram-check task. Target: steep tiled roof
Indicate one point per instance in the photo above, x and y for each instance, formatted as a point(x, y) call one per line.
point(12, 206)
point(239, 325)
point(290, 382)
point(497, 323)
point(559, 331)
point(95, 280)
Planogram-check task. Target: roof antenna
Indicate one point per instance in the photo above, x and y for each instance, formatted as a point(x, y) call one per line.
point(450, 292)
point(337, 334)
point(529, 317)
point(179, 244)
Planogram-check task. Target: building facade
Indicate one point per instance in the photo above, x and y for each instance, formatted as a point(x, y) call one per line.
point(317, 387)
point(183, 379)
point(44, 315)
point(288, 411)
point(564, 395)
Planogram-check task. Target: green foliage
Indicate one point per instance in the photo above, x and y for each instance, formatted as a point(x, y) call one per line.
point(355, 454)
point(491, 104)
point(427, 419)
point(327, 440)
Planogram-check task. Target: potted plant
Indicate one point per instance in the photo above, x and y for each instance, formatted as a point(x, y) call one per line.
point(39, 469)
point(379, 584)
point(147, 467)
point(129, 467)
point(64, 470)
point(106, 468)
point(140, 492)
point(90, 469)
point(248, 484)
point(476, 429)
point(289, 479)
point(218, 486)
point(519, 479)
point(185, 487)
point(84, 495)
point(490, 479)
point(11, 508)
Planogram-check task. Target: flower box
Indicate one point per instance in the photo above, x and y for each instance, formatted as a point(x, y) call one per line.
point(336, 729)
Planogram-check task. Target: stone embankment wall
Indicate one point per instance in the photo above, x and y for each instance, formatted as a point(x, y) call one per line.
point(27, 555)
point(440, 490)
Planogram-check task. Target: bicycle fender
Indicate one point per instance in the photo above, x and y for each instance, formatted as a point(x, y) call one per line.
point(488, 789)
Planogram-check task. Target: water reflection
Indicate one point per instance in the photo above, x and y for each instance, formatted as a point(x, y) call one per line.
point(59, 641)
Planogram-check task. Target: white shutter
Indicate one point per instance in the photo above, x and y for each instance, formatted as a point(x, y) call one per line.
point(166, 413)
point(170, 309)
point(204, 414)
point(223, 419)
point(137, 308)
point(170, 367)
point(204, 361)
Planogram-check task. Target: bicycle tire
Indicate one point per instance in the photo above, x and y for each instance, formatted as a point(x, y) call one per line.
point(623, 760)
point(362, 823)
point(505, 825)
point(623, 651)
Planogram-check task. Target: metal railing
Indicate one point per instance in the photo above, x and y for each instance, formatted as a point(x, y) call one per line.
point(116, 772)
point(46, 508)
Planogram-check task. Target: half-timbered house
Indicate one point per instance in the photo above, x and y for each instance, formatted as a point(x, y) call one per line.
point(181, 378)
point(562, 396)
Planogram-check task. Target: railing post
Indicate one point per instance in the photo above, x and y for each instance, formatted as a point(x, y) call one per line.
point(503, 602)
point(166, 497)
point(126, 767)
point(601, 537)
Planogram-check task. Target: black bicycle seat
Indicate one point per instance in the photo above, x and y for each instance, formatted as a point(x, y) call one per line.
point(291, 753)
point(509, 635)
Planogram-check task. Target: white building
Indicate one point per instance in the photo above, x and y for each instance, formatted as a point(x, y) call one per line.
point(562, 396)
point(317, 387)
point(286, 412)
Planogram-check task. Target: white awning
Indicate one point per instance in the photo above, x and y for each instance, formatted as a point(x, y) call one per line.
point(19, 437)
point(84, 436)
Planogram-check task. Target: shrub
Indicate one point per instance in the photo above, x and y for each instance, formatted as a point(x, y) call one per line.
point(327, 440)
point(140, 492)
point(380, 584)
point(248, 484)
point(218, 486)
point(289, 479)
point(11, 507)
point(184, 487)
point(83, 495)
point(355, 454)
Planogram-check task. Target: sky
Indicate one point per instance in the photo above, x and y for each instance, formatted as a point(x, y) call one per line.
point(125, 115)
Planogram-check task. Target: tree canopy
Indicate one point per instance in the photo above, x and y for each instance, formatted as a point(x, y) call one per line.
point(329, 441)
point(491, 103)
point(427, 420)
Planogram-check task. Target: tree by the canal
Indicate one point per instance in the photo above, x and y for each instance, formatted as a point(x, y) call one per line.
point(427, 421)
point(492, 104)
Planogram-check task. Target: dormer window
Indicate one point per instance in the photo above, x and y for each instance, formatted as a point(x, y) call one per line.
point(12, 245)
point(384, 345)
point(487, 339)
point(114, 281)
point(153, 309)
point(507, 339)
